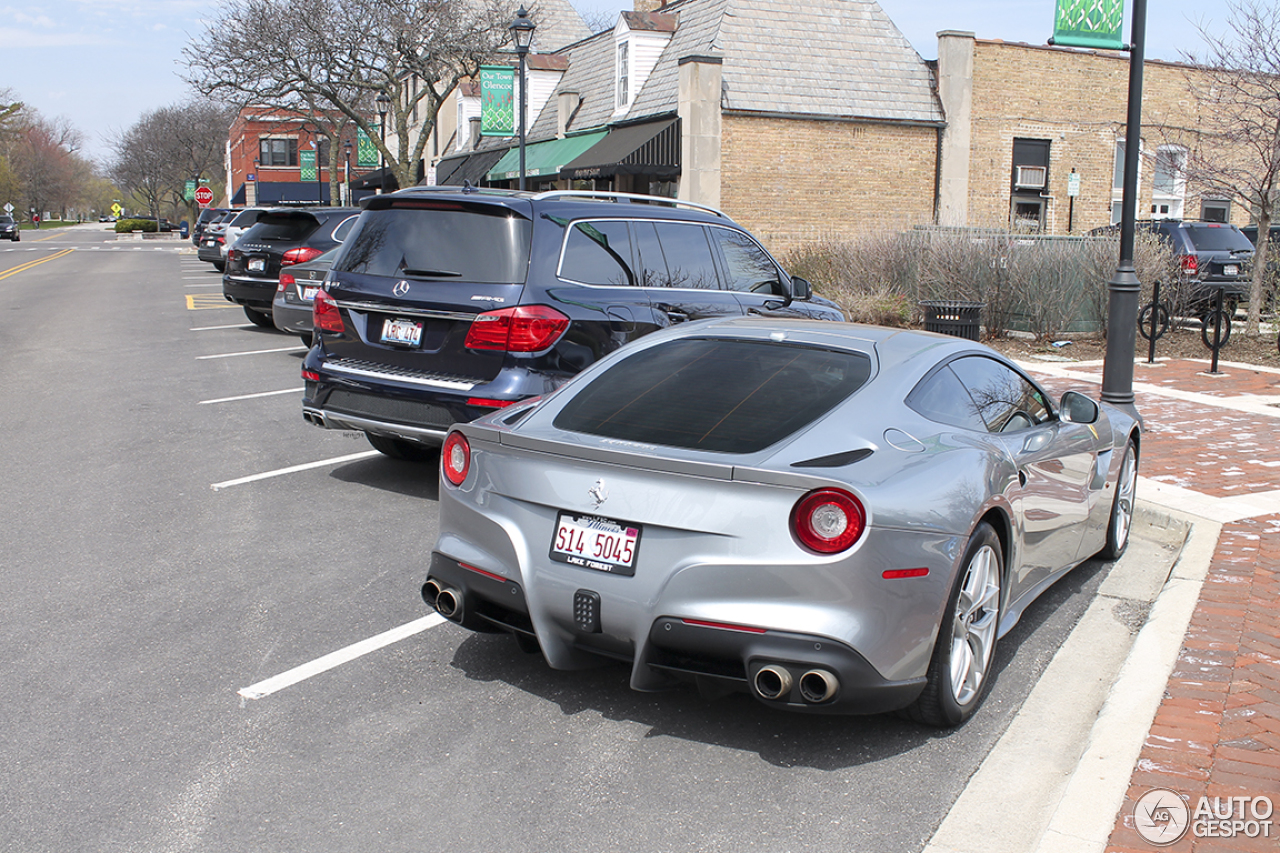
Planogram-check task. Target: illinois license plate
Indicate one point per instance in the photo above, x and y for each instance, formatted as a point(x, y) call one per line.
point(400, 331)
point(1231, 269)
point(596, 543)
point(309, 294)
point(257, 264)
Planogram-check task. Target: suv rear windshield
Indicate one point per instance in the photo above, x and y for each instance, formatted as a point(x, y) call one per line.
point(288, 227)
point(1217, 238)
point(433, 240)
point(728, 396)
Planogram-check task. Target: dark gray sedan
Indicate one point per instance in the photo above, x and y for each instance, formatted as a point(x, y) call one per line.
point(836, 518)
point(295, 298)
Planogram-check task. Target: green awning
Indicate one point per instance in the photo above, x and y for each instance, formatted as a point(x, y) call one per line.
point(544, 159)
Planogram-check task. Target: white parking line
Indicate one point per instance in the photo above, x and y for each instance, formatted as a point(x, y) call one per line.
point(251, 396)
point(212, 328)
point(341, 656)
point(251, 352)
point(292, 469)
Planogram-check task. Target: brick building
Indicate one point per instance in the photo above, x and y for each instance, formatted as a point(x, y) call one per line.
point(266, 150)
point(1021, 119)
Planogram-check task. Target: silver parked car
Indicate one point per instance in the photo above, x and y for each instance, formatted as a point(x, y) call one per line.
point(836, 518)
point(294, 302)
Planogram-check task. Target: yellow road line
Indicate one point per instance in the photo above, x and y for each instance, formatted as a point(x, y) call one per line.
point(202, 301)
point(50, 237)
point(29, 264)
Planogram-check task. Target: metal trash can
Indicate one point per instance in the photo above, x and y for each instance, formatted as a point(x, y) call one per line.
point(948, 317)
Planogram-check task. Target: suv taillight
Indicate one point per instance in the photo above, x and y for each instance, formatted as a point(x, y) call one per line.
point(325, 315)
point(828, 520)
point(1190, 264)
point(286, 281)
point(300, 255)
point(526, 328)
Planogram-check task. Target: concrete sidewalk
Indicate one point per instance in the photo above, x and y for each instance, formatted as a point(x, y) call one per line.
point(1194, 711)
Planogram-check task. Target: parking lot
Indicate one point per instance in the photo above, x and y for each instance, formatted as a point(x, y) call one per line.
point(214, 638)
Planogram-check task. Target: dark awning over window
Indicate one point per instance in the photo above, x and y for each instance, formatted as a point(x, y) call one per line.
point(373, 180)
point(651, 149)
point(290, 192)
point(473, 167)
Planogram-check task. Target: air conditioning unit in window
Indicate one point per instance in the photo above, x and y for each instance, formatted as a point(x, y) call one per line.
point(1030, 177)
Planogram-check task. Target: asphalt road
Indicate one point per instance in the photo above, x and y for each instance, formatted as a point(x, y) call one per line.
point(138, 601)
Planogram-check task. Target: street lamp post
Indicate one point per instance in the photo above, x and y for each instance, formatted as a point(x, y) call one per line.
point(384, 104)
point(522, 35)
point(346, 173)
point(1124, 287)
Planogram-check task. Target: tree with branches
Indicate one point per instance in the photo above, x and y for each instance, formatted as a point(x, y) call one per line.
point(324, 56)
point(1236, 150)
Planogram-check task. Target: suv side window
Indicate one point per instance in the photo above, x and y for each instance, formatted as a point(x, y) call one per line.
point(750, 267)
point(598, 252)
point(689, 263)
point(344, 228)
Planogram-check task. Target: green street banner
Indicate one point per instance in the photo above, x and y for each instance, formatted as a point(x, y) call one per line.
point(306, 165)
point(190, 192)
point(1089, 23)
point(366, 151)
point(497, 100)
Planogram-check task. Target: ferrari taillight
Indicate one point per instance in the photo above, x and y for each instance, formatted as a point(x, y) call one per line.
point(828, 520)
point(455, 458)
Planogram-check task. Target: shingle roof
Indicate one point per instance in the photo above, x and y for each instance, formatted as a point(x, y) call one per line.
point(590, 74)
point(839, 58)
point(559, 24)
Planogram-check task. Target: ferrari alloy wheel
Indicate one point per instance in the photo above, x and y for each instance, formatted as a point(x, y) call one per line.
point(960, 669)
point(1122, 505)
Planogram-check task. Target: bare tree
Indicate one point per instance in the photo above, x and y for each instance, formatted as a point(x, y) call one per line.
point(167, 147)
point(45, 165)
point(1236, 152)
point(339, 55)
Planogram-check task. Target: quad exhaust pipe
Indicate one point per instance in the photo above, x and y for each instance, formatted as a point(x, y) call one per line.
point(446, 600)
point(774, 682)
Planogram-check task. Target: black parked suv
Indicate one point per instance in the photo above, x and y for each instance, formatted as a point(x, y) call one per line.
point(1211, 255)
point(446, 303)
point(280, 238)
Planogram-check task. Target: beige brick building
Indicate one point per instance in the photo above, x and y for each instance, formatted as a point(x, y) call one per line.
point(1059, 112)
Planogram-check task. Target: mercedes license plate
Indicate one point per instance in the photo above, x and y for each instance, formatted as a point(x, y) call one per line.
point(400, 331)
point(257, 264)
point(596, 543)
point(1231, 269)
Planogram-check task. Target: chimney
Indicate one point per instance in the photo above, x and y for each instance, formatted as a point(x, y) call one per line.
point(648, 5)
point(474, 138)
point(566, 103)
point(700, 87)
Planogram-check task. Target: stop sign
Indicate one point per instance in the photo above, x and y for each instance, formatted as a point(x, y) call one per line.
point(204, 196)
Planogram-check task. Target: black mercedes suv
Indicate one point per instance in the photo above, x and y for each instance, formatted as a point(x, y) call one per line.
point(448, 303)
point(280, 238)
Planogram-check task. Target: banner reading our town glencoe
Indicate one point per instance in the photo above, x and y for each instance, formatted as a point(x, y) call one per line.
point(497, 100)
point(1089, 23)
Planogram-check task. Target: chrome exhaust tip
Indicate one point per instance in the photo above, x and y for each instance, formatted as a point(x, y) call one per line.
point(818, 686)
point(772, 682)
point(430, 592)
point(449, 604)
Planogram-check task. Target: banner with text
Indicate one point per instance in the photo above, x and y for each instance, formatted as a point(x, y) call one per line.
point(306, 165)
point(1089, 23)
point(366, 151)
point(497, 100)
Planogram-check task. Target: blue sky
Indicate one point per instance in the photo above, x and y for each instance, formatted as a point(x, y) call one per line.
point(102, 63)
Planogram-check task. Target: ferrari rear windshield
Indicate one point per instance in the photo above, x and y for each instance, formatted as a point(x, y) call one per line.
point(727, 396)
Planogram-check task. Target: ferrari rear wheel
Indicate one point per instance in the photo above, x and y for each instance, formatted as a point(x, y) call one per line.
point(960, 670)
point(1122, 506)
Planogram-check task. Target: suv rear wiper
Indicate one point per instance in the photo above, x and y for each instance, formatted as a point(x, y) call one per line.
point(431, 273)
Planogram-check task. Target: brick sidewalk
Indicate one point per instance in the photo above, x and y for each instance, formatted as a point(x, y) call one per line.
point(1217, 731)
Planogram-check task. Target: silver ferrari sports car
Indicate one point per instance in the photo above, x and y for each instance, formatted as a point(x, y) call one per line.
point(835, 518)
